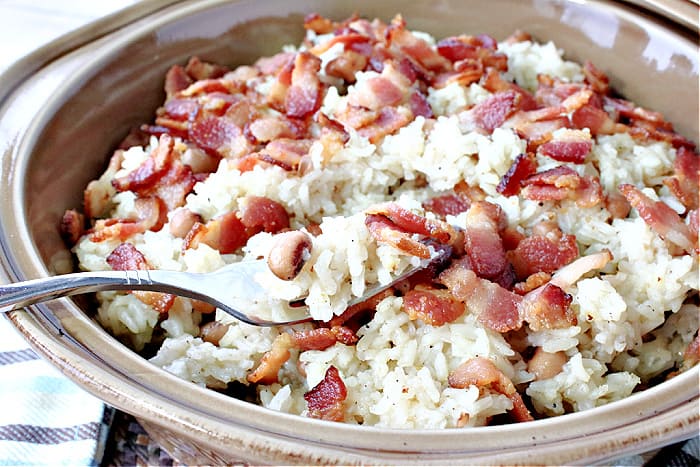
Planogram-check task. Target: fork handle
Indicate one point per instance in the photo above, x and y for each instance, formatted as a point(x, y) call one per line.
point(20, 294)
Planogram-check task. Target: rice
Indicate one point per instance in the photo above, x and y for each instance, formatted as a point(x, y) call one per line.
point(634, 318)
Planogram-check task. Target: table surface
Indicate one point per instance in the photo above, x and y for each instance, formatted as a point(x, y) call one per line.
point(24, 26)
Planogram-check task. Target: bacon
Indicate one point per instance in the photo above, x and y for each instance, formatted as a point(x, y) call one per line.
point(274, 64)
point(419, 105)
point(121, 229)
point(326, 400)
point(662, 219)
point(596, 78)
point(490, 113)
point(176, 80)
point(494, 82)
point(152, 212)
point(145, 176)
point(433, 306)
point(495, 307)
point(271, 362)
point(483, 373)
point(368, 305)
point(72, 226)
point(568, 275)
point(523, 166)
point(571, 146)
point(483, 243)
point(691, 355)
point(126, 257)
point(410, 222)
point(413, 46)
point(447, 205)
point(200, 70)
point(346, 66)
point(377, 92)
point(322, 338)
point(532, 282)
point(181, 108)
point(304, 95)
point(540, 253)
point(385, 122)
point(684, 182)
point(318, 24)
point(562, 183)
point(547, 307)
point(225, 234)
point(261, 214)
point(384, 231)
point(216, 135)
point(174, 186)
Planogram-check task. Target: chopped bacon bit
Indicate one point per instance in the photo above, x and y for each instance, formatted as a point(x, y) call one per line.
point(562, 183)
point(490, 113)
point(547, 307)
point(225, 234)
point(215, 135)
point(419, 105)
point(496, 307)
point(200, 70)
point(485, 375)
point(72, 226)
point(684, 182)
point(384, 122)
point(693, 219)
point(572, 146)
point(598, 80)
point(318, 24)
point(571, 273)
point(523, 166)
point(126, 257)
point(152, 212)
point(176, 80)
point(540, 253)
point(272, 361)
point(447, 205)
point(532, 282)
point(322, 338)
point(691, 355)
point(261, 214)
point(414, 47)
point(346, 66)
point(145, 176)
point(385, 231)
point(433, 306)
point(483, 243)
point(410, 222)
point(121, 229)
point(326, 400)
point(304, 95)
point(368, 305)
point(662, 219)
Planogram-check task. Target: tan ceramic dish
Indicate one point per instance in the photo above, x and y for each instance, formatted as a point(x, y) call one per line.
point(65, 107)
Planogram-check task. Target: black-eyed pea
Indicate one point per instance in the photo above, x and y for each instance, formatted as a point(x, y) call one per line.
point(289, 253)
point(545, 365)
point(213, 332)
point(182, 221)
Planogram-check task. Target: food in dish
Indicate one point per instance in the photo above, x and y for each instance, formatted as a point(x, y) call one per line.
point(570, 216)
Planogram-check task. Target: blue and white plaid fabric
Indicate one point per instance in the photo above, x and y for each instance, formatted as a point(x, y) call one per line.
point(45, 419)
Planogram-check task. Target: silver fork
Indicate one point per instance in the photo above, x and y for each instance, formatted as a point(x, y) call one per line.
point(218, 288)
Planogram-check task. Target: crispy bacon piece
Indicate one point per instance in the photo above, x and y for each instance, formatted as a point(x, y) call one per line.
point(547, 307)
point(523, 166)
point(684, 182)
point(485, 375)
point(225, 234)
point(384, 122)
point(122, 229)
point(385, 231)
point(318, 24)
point(532, 282)
point(543, 253)
point(662, 219)
point(346, 66)
point(433, 306)
point(496, 307)
point(377, 92)
point(562, 183)
point(152, 212)
point(416, 48)
point(176, 80)
point(326, 400)
point(72, 226)
point(368, 305)
point(145, 176)
point(494, 82)
point(447, 205)
point(199, 70)
point(410, 222)
point(483, 244)
point(571, 146)
point(490, 113)
point(304, 95)
point(216, 135)
point(598, 80)
point(126, 257)
point(322, 338)
point(271, 362)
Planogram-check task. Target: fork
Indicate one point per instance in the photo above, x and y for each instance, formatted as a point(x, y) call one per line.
point(218, 288)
